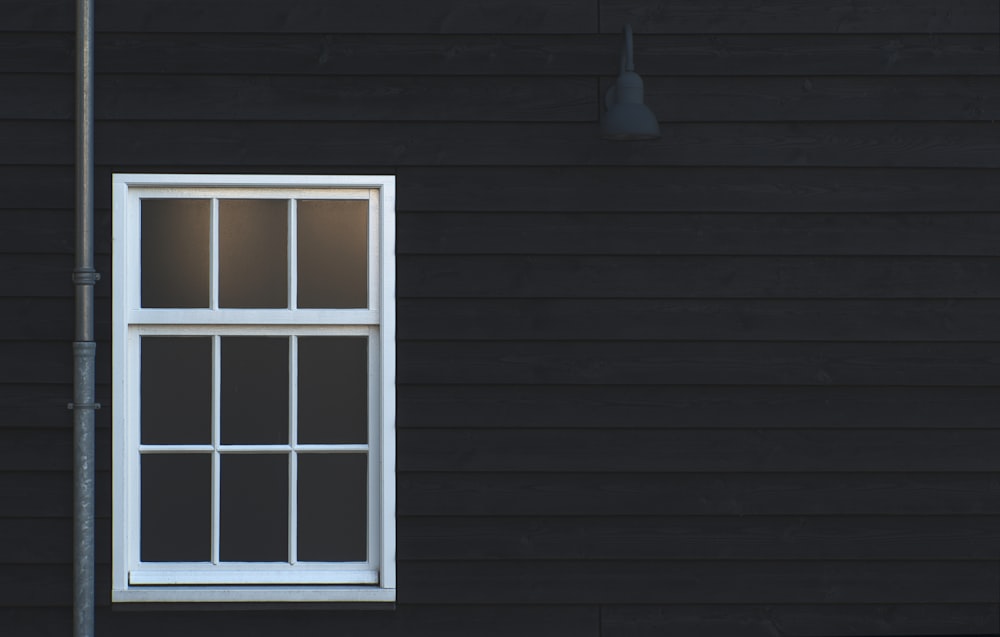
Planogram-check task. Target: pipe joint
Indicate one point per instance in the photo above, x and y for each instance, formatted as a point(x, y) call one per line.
point(86, 276)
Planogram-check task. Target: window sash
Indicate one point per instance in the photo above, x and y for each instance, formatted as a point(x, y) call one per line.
point(134, 580)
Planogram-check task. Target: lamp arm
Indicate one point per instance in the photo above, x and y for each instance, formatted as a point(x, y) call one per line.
point(628, 63)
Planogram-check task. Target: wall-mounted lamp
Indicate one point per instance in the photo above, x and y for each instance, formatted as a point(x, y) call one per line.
point(627, 117)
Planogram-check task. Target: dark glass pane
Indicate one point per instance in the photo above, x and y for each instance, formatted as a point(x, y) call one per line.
point(254, 400)
point(253, 253)
point(253, 508)
point(174, 252)
point(333, 507)
point(176, 512)
point(333, 390)
point(333, 253)
point(176, 390)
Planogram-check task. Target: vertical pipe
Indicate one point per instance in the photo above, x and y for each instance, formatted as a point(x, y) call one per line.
point(84, 347)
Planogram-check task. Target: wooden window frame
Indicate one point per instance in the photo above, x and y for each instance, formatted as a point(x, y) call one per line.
point(370, 581)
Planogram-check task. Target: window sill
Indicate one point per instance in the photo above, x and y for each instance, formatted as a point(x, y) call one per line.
point(292, 596)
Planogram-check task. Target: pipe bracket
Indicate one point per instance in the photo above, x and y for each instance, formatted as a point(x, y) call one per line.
point(94, 406)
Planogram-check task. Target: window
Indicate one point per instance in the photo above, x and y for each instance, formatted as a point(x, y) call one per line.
point(253, 384)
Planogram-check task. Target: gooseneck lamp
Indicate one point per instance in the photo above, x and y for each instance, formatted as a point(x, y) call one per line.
point(627, 118)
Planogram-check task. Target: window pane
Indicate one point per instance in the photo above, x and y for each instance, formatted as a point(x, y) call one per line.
point(253, 253)
point(333, 253)
point(175, 390)
point(254, 400)
point(176, 518)
point(174, 252)
point(333, 507)
point(253, 510)
point(333, 390)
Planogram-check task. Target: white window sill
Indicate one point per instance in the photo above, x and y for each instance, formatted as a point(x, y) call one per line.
point(220, 594)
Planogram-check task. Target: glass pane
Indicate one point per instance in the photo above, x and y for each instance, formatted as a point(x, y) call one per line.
point(253, 508)
point(333, 390)
point(333, 507)
point(254, 396)
point(176, 515)
point(333, 253)
point(253, 253)
point(174, 252)
point(175, 392)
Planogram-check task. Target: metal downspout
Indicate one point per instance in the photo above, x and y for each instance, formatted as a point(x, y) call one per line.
point(84, 347)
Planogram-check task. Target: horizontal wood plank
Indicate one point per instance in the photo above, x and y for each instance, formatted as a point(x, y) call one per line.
point(603, 189)
point(801, 16)
point(503, 98)
point(316, 16)
point(47, 540)
point(774, 620)
point(689, 538)
point(632, 189)
point(683, 582)
point(688, 450)
point(688, 54)
point(698, 277)
point(47, 275)
point(611, 451)
point(727, 406)
point(244, 97)
point(25, 449)
point(701, 363)
point(392, 144)
point(22, 51)
point(40, 494)
point(765, 234)
point(682, 320)
point(696, 494)
point(743, 99)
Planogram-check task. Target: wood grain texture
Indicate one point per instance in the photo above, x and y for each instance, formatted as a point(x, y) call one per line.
point(499, 53)
point(23, 404)
point(708, 363)
point(614, 450)
point(742, 99)
point(256, 97)
point(606, 189)
point(503, 98)
point(800, 16)
point(40, 318)
point(699, 277)
point(433, 620)
point(774, 620)
point(23, 52)
point(684, 320)
point(628, 493)
point(728, 234)
point(47, 540)
point(316, 16)
point(45, 275)
point(686, 538)
point(38, 495)
point(633, 189)
point(684, 582)
point(636, 406)
point(390, 144)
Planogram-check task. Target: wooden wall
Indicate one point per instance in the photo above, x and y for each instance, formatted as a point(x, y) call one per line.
point(741, 381)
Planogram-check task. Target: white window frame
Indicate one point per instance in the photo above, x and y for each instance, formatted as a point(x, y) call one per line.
point(371, 581)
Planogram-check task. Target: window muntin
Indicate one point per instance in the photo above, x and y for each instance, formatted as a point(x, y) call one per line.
point(295, 424)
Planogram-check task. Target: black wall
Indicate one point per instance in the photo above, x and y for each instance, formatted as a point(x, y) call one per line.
point(739, 381)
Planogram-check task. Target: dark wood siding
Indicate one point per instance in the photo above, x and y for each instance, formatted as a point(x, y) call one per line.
point(739, 381)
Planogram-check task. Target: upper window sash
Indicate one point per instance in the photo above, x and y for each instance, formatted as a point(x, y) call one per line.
point(215, 312)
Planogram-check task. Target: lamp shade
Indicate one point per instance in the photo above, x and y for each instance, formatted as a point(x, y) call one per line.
point(627, 117)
